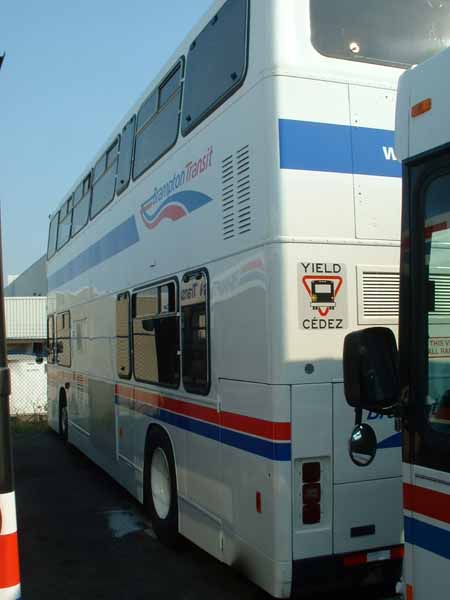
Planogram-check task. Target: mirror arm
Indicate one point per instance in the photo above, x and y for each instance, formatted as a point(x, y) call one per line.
point(358, 416)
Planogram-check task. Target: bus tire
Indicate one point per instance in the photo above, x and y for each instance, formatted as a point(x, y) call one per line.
point(160, 488)
point(63, 418)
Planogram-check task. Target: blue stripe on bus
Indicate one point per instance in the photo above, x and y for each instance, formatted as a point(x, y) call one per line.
point(115, 241)
point(254, 445)
point(325, 147)
point(426, 536)
point(393, 441)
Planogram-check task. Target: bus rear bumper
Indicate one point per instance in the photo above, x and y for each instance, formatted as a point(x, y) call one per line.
point(331, 574)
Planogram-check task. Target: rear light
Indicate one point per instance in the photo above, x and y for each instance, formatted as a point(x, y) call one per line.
point(311, 493)
point(355, 559)
point(359, 558)
point(311, 472)
point(397, 553)
point(311, 514)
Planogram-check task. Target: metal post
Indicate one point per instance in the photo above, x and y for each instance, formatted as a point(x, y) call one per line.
point(9, 547)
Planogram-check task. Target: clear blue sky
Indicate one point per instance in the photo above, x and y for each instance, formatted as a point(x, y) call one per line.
point(72, 70)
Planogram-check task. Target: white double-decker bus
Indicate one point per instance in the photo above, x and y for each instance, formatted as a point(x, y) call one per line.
point(204, 269)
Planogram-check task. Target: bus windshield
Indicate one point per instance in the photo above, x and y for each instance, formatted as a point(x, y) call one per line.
point(397, 33)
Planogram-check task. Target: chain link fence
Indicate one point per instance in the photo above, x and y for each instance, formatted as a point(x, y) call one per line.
point(28, 386)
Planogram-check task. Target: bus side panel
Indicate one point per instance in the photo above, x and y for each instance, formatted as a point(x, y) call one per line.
point(312, 441)
point(257, 482)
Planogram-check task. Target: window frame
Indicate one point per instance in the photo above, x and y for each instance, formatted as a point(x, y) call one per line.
point(69, 338)
point(89, 190)
point(206, 391)
point(55, 217)
point(94, 182)
point(185, 131)
point(68, 202)
point(51, 353)
point(158, 284)
point(130, 336)
point(180, 63)
point(119, 189)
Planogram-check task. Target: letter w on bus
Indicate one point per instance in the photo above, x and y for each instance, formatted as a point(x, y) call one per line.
point(389, 153)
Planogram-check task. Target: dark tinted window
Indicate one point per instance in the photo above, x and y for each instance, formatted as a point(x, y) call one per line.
point(52, 236)
point(65, 223)
point(160, 132)
point(391, 32)
point(156, 336)
point(78, 194)
point(169, 87)
point(81, 206)
point(195, 344)
point(104, 180)
point(123, 363)
point(148, 109)
point(63, 351)
point(216, 62)
point(125, 156)
point(100, 168)
point(87, 183)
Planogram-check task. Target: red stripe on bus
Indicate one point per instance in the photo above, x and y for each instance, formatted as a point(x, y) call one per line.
point(267, 429)
point(9, 561)
point(260, 427)
point(426, 502)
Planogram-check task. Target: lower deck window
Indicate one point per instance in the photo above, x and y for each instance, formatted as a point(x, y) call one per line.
point(194, 311)
point(63, 347)
point(156, 353)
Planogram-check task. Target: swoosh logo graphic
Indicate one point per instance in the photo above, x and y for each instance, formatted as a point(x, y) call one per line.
point(173, 208)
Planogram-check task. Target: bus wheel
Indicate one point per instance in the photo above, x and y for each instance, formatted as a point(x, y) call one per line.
point(63, 418)
point(160, 488)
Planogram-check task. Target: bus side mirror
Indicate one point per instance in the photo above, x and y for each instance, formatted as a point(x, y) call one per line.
point(371, 369)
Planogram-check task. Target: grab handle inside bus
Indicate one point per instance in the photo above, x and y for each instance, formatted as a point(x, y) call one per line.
point(371, 379)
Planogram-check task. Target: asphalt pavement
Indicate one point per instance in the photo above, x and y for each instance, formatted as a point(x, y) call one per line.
point(83, 537)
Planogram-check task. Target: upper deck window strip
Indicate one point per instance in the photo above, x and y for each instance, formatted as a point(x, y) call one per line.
point(157, 132)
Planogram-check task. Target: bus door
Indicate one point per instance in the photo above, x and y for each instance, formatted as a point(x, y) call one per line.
point(425, 374)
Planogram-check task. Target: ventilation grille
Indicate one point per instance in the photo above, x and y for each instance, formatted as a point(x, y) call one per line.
point(236, 196)
point(380, 296)
point(228, 197)
point(441, 294)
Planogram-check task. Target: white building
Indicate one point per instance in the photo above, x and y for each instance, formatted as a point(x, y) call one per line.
point(25, 315)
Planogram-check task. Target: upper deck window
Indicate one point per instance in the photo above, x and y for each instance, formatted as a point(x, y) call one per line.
point(52, 236)
point(65, 223)
point(82, 200)
point(216, 63)
point(157, 123)
point(104, 181)
point(125, 156)
point(396, 33)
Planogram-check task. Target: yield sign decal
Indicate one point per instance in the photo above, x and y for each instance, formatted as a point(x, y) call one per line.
point(307, 279)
